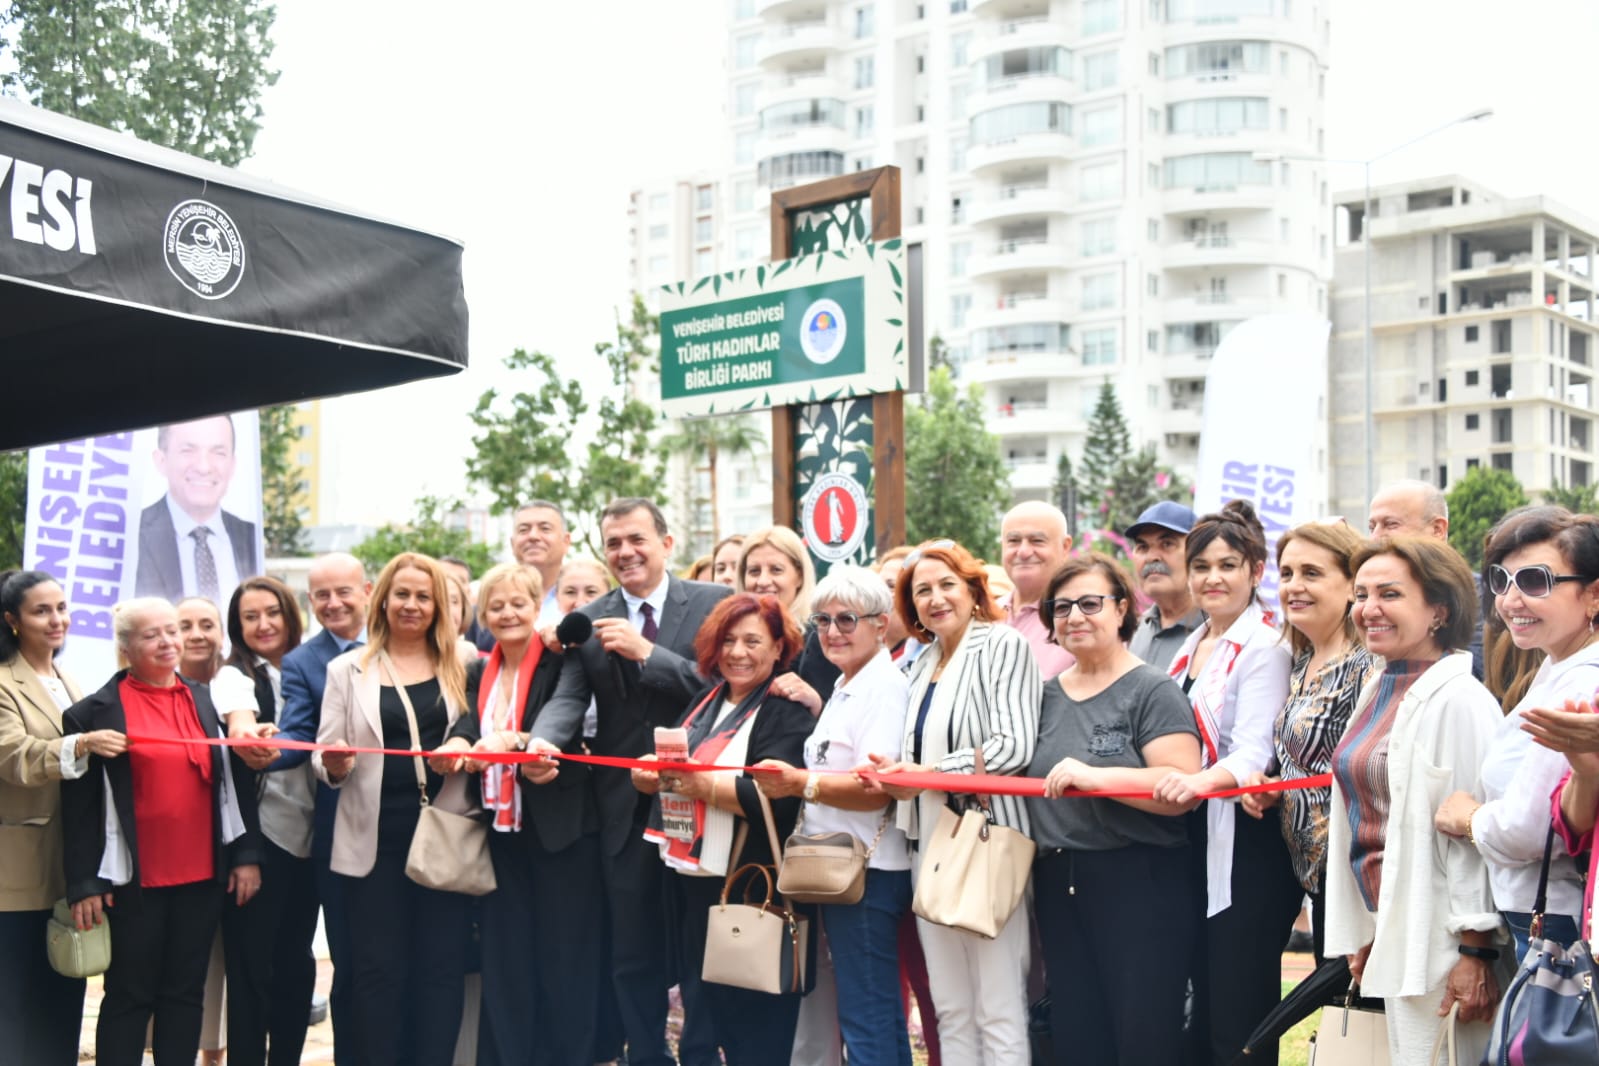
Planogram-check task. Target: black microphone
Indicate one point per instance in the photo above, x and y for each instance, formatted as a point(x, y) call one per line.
point(574, 629)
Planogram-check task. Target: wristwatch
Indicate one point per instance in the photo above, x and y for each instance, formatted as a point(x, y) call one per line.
point(811, 782)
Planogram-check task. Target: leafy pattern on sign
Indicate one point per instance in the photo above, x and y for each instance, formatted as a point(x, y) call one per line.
point(830, 228)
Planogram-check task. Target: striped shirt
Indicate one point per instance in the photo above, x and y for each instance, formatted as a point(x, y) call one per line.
point(1308, 729)
point(1360, 765)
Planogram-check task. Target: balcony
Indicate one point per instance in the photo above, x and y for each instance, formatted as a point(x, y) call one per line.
point(1030, 473)
point(1003, 368)
point(1017, 309)
point(1023, 254)
point(1023, 418)
point(1188, 366)
point(1027, 31)
point(1214, 306)
point(1198, 199)
point(1028, 148)
point(778, 9)
point(818, 138)
point(993, 204)
point(1020, 89)
point(1183, 416)
point(793, 42)
point(786, 88)
point(1216, 250)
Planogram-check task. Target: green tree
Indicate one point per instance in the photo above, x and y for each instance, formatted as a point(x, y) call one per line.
point(524, 450)
point(187, 74)
point(1108, 443)
point(13, 507)
point(1578, 499)
point(1138, 482)
point(429, 533)
point(1476, 503)
point(280, 483)
point(957, 478)
point(704, 441)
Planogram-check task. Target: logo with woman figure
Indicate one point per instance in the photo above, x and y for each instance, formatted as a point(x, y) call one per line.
point(833, 517)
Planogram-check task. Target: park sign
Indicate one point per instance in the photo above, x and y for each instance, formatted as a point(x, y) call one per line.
point(821, 327)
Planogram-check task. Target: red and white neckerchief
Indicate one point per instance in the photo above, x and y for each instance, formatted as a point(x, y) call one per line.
point(501, 798)
point(1209, 690)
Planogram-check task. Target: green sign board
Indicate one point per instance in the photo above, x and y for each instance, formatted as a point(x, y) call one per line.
point(823, 326)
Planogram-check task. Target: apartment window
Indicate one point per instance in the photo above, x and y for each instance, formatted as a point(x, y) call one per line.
point(1152, 340)
point(1282, 286)
point(704, 262)
point(660, 202)
point(1028, 337)
point(1217, 116)
point(1018, 63)
point(658, 264)
point(744, 196)
point(744, 244)
point(744, 98)
point(1153, 120)
point(1019, 120)
point(1283, 169)
point(658, 232)
point(921, 164)
point(744, 147)
point(704, 198)
point(958, 44)
point(1472, 378)
point(744, 51)
point(1152, 230)
point(1152, 176)
point(957, 154)
point(1183, 10)
point(790, 169)
point(1152, 285)
point(1283, 230)
point(957, 99)
point(865, 21)
point(1282, 64)
point(1154, 65)
point(1471, 338)
point(1216, 60)
point(921, 63)
point(1099, 347)
point(957, 211)
point(744, 9)
point(1099, 292)
point(1099, 236)
point(1501, 336)
point(1282, 120)
point(865, 118)
point(1101, 16)
point(959, 252)
point(957, 6)
point(1101, 125)
point(804, 114)
point(865, 71)
point(1099, 71)
point(921, 112)
point(1102, 181)
point(1216, 171)
point(702, 231)
point(959, 304)
point(1472, 421)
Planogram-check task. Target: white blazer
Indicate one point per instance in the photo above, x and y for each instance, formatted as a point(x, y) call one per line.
point(1434, 886)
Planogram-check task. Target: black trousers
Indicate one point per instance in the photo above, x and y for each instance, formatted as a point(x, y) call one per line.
point(271, 972)
point(1238, 972)
point(1117, 930)
point(41, 1012)
point(408, 949)
point(160, 950)
point(753, 1028)
point(330, 894)
point(540, 963)
point(633, 885)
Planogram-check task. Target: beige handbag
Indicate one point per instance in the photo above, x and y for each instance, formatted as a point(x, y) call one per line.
point(826, 867)
point(973, 872)
point(449, 851)
point(75, 952)
point(759, 946)
point(1350, 1036)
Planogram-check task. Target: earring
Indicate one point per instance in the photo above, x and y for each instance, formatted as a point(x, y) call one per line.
point(1437, 624)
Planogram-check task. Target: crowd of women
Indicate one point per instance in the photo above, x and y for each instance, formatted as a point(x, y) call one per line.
point(1160, 911)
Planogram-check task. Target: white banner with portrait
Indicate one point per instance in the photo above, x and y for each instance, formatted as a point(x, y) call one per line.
point(171, 511)
point(1264, 434)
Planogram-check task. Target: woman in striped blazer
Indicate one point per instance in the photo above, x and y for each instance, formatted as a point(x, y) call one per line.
point(975, 687)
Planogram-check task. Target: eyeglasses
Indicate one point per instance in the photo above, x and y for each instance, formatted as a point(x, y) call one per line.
point(1535, 582)
point(916, 556)
point(846, 621)
point(1050, 610)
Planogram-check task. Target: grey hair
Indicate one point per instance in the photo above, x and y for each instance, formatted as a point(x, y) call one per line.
point(1434, 504)
point(126, 614)
point(854, 587)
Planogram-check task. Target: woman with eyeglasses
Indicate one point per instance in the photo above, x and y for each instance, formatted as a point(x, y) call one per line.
point(975, 688)
point(1542, 567)
point(865, 714)
point(1234, 668)
point(1112, 880)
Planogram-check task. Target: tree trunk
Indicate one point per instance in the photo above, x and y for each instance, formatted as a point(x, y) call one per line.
point(716, 503)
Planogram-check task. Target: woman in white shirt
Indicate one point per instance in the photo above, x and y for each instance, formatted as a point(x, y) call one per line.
point(1542, 568)
point(864, 716)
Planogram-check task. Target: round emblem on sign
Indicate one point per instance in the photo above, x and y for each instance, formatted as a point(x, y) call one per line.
point(833, 516)
point(822, 331)
point(203, 249)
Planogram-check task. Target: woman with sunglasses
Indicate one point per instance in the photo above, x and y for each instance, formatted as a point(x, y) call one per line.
point(1234, 668)
point(1542, 567)
point(865, 714)
point(1112, 879)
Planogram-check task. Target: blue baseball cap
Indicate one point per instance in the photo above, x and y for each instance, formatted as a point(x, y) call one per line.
point(1167, 514)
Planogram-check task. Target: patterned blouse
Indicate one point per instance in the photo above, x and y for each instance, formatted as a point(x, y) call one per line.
point(1308, 729)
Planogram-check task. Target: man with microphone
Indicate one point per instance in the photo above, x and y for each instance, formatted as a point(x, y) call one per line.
point(638, 667)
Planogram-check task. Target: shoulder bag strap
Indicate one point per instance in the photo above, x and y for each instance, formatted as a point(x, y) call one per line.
point(410, 720)
point(1541, 901)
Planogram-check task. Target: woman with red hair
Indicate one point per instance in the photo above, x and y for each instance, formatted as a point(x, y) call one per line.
point(734, 721)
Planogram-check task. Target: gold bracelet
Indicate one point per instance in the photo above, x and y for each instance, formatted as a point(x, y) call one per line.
point(1470, 836)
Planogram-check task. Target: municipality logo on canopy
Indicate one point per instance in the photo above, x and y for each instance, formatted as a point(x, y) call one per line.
point(822, 331)
point(203, 249)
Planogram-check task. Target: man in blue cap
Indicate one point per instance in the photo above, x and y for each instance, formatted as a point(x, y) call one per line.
point(1159, 539)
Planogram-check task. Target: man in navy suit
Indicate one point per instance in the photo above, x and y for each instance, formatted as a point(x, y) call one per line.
point(639, 669)
point(188, 545)
point(339, 595)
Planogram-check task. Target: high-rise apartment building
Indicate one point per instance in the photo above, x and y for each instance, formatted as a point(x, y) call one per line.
point(1484, 338)
point(1104, 188)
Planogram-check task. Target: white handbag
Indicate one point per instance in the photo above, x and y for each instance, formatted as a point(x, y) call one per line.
point(1350, 1036)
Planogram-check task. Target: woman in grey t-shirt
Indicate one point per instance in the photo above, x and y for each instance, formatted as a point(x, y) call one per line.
point(1112, 881)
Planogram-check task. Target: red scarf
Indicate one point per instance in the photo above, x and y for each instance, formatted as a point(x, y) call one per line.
point(501, 797)
point(686, 854)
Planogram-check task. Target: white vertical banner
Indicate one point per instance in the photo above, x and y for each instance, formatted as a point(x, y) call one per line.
point(117, 516)
point(1264, 427)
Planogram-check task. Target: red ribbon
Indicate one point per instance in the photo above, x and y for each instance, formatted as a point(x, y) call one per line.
point(985, 784)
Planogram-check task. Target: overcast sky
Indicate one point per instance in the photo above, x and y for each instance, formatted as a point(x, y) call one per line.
point(519, 127)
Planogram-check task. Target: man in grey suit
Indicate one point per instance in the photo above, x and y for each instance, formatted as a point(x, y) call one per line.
point(639, 669)
point(188, 545)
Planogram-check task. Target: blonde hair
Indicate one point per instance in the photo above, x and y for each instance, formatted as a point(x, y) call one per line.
point(1340, 541)
point(788, 542)
point(508, 574)
point(441, 631)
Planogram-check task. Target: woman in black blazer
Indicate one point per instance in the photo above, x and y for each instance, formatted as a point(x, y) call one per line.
point(158, 870)
point(734, 721)
point(540, 963)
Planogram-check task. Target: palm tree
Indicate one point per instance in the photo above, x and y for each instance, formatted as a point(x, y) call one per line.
point(704, 440)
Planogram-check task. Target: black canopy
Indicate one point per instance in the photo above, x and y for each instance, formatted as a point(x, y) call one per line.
point(139, 285)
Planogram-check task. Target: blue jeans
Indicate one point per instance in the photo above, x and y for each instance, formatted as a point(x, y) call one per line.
point(864, 938)
point(1561, 928)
